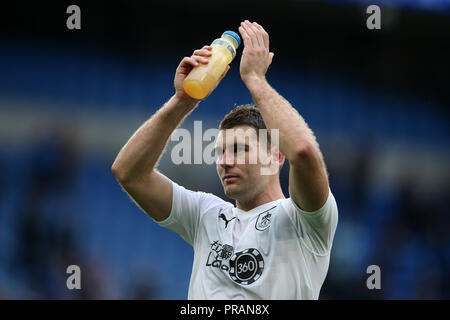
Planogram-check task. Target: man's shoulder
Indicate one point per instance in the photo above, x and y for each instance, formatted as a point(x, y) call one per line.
point(285, 204)
point(330, 203)
point(212, 206)
point(207, 200)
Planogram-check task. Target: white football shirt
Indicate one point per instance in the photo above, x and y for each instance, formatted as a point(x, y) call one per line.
point(274, 251)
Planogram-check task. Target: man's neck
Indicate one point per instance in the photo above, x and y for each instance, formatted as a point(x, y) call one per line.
point(266, 196)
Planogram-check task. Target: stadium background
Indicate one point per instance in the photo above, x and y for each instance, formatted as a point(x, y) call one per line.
point(69, 100)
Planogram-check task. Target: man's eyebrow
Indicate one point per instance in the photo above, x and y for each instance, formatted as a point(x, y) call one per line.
point(246, 145)
point(240, 144)
point(243, 143)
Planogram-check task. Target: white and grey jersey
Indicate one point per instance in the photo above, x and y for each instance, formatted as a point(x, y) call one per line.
point(274, 251)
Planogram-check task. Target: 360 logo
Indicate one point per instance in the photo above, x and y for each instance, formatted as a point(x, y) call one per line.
point(246, 266)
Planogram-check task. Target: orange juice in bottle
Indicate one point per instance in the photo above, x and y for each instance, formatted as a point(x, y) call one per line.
point(201, 79)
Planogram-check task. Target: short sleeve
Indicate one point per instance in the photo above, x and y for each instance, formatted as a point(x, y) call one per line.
point(185, 213)
point(318, 227)
point(187, 209)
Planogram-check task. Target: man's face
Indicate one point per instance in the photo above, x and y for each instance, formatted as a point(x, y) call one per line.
point(240, 158)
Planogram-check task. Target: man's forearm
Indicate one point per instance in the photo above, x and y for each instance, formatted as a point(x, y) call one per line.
point(294, 133)
point(141, 153)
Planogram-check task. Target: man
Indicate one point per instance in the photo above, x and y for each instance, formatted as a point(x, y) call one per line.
point(267, 247)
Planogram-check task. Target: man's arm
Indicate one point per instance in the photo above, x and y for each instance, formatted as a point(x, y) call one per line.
point(134, 166)
point(308, 179)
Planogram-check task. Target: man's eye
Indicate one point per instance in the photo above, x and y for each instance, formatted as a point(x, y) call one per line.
point(240, 148)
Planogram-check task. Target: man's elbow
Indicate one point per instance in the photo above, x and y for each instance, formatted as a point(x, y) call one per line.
point(118, 172)
point(126, 177)
point(306, 153)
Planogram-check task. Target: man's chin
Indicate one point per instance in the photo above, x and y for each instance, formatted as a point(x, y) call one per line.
point(232, 191)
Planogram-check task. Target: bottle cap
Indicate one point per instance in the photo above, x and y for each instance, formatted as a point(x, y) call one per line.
point(234, 35)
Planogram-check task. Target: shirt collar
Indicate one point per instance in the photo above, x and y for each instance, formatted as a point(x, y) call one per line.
point(242, 215)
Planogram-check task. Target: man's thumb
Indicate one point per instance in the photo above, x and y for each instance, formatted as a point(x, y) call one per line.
point(271, 54)
point(225, 72)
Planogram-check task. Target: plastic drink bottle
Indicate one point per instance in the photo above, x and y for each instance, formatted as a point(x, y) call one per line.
point(203, 77)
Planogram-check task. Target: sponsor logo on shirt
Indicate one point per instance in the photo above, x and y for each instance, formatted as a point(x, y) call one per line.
point(219, 255)
point(244, 267)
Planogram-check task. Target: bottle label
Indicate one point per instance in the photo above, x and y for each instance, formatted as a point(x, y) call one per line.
point(226, 45)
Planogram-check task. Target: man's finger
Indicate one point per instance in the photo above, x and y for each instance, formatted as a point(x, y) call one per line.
point(265, 35)
point(258, 34)
point(248, 27)
point(188, 61)
point(200, 59)
point(203, 52)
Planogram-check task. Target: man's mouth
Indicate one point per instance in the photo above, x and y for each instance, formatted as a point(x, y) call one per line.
point(230, 178)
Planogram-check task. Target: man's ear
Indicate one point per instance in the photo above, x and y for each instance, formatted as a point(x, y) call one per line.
point(274, 165)
point(281, 158)
point(277, 156)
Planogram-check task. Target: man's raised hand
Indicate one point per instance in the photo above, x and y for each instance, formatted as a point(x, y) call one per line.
point(256, 57)
point(187, 64)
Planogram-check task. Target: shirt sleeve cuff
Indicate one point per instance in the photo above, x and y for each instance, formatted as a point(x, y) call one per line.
point(170, 219)
point(316, 212)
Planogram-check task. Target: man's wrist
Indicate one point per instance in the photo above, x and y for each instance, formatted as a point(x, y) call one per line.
point(184, 103)
point(254, 83)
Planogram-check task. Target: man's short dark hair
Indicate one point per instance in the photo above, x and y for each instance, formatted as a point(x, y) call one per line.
point(246, 114)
